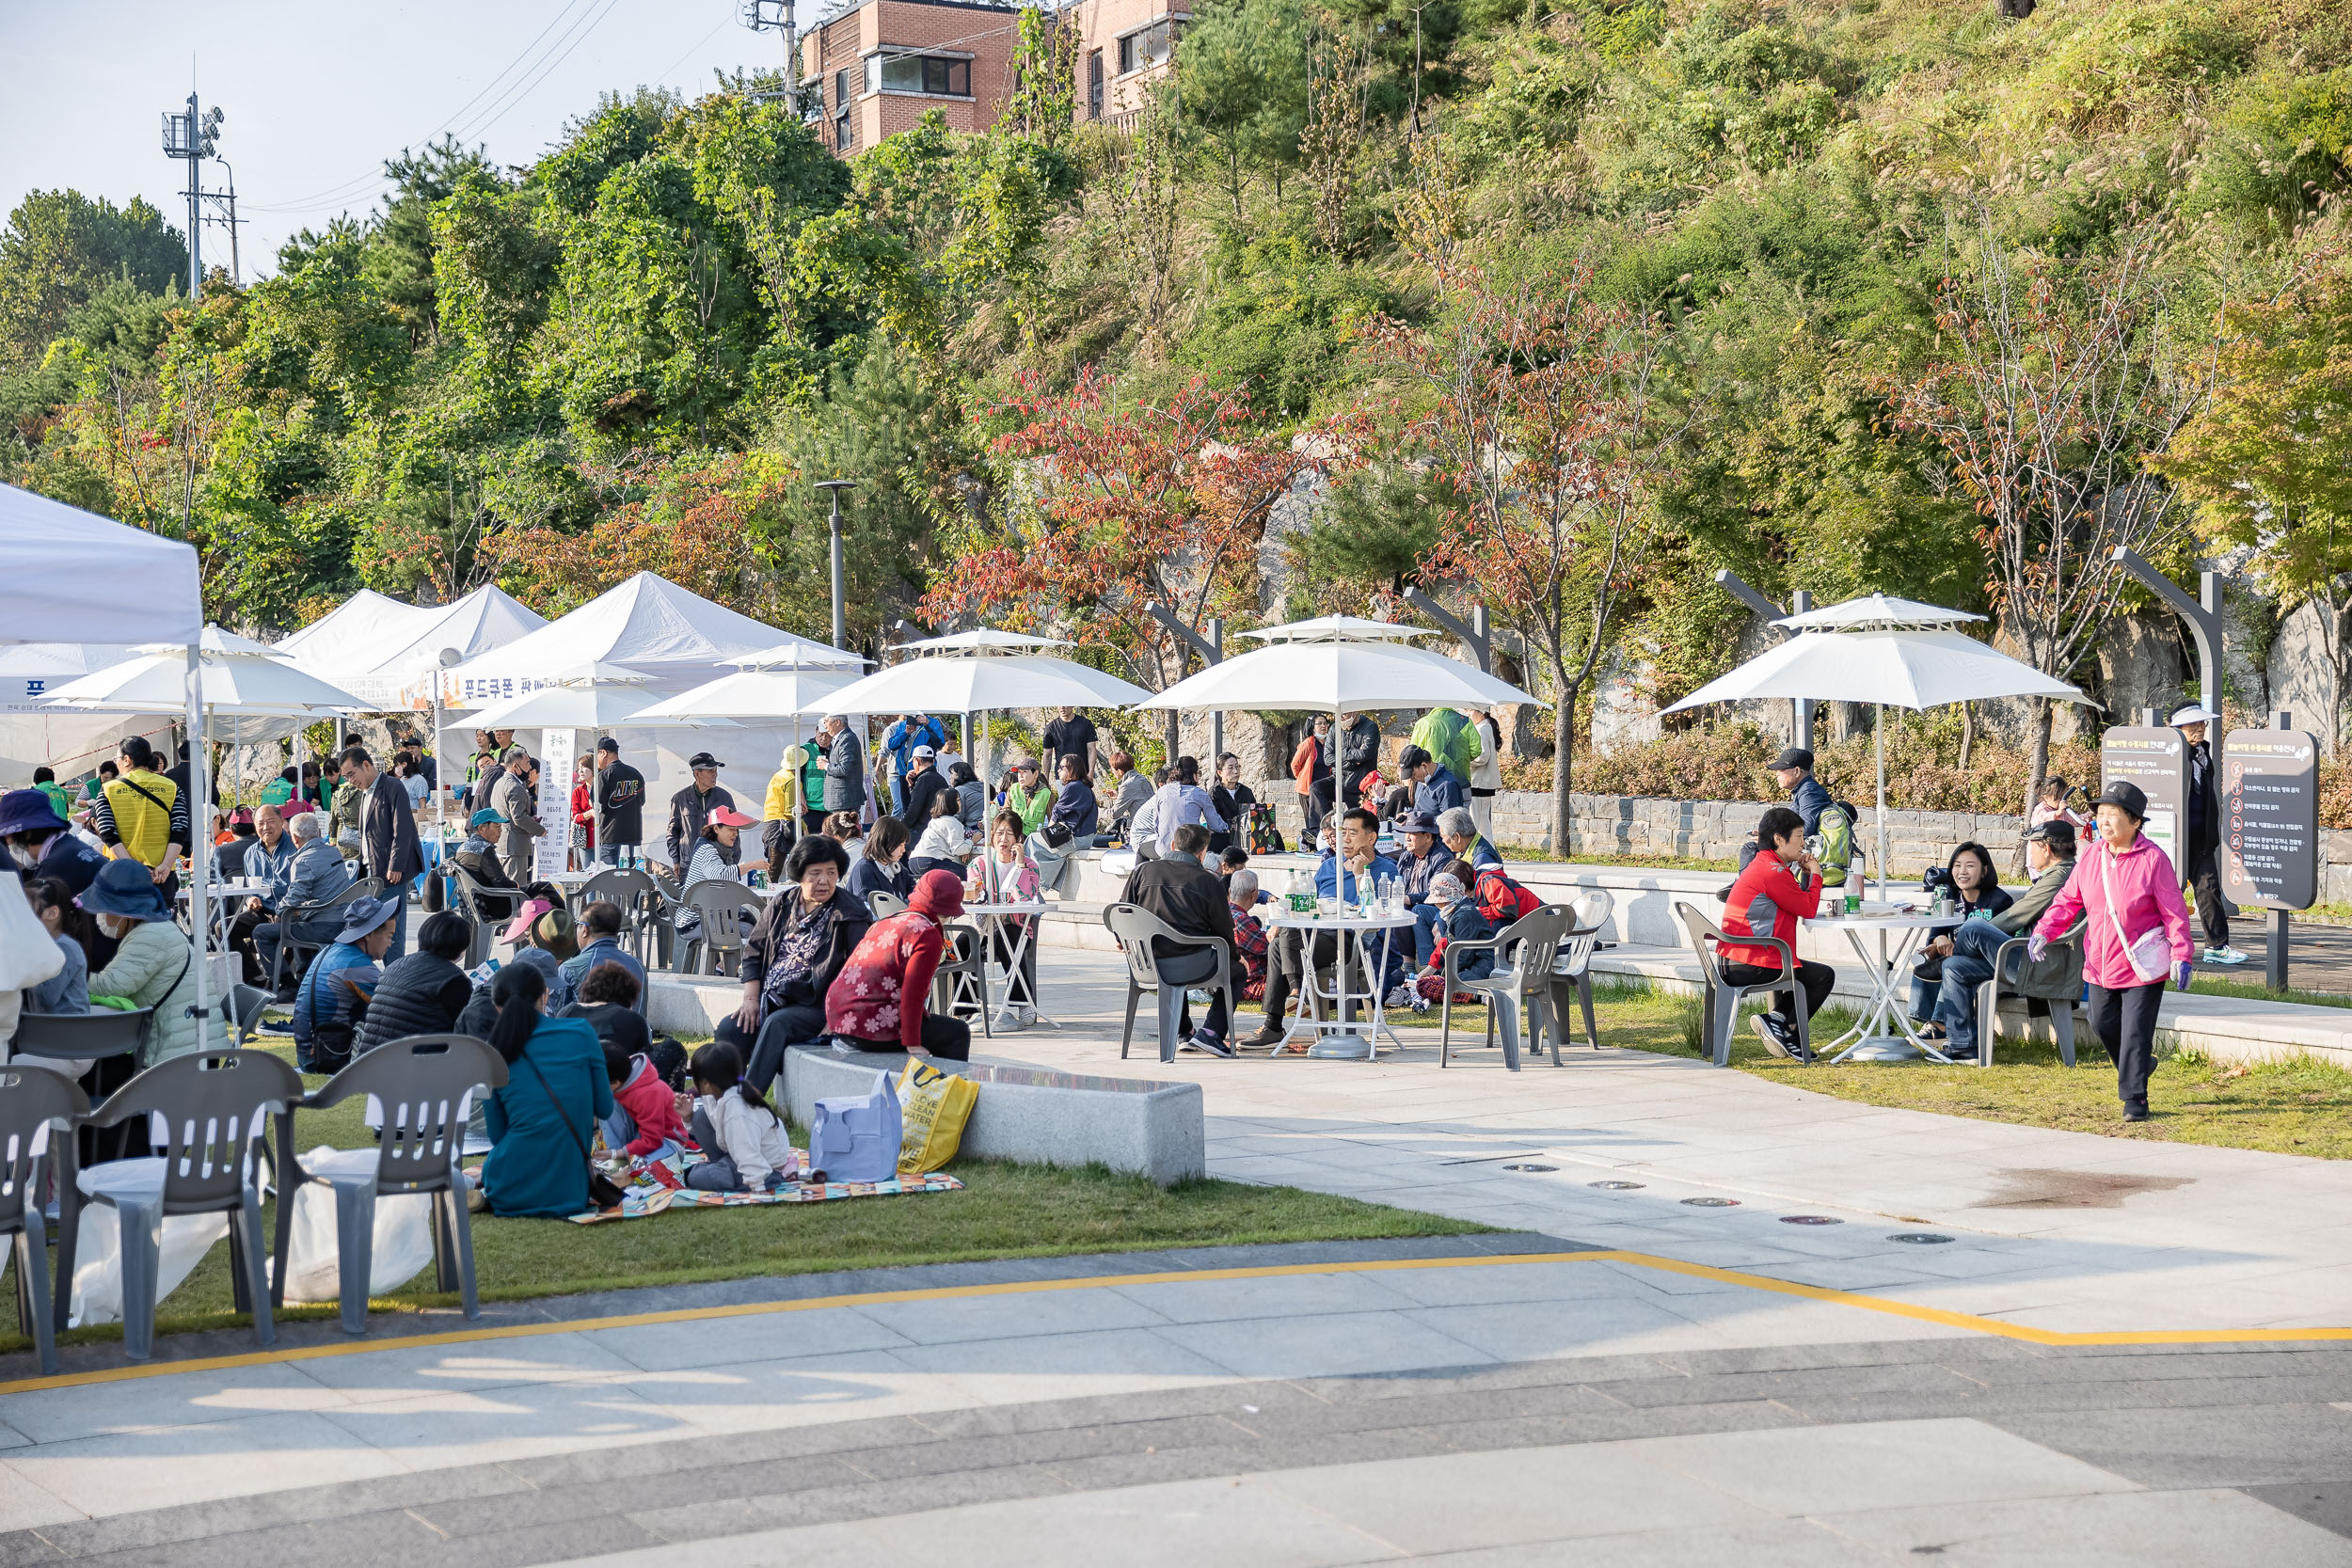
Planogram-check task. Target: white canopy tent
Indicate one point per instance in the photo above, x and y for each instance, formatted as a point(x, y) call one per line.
point(675, 641)
point(76, 578)
point(34, 734)
point(1886, 667)
point(766, 684)
point(386, 652)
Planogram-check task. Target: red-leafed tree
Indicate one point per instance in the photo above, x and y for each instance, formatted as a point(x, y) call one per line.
point(1542, 409)
point(1117, 507)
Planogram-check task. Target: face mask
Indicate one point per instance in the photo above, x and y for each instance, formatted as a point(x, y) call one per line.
point(25, 857)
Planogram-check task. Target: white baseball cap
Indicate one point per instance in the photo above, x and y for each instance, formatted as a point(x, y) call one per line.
point(2193, 714)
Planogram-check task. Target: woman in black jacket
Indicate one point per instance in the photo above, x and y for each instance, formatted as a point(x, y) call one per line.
point(1233, 800)
point(1075, 805)
point(792, 957)
point(883, 866)
point(423, 994)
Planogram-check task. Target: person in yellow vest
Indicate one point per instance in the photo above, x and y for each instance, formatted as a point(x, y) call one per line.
point(142, 815)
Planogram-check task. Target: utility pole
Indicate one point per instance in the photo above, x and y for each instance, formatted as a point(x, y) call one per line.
point(840, 620)
point(191, 136)
point(228, 199)
point(1801, 726)
point(762, 16)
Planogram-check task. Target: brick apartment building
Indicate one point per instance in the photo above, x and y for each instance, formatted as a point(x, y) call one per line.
point(878, 66)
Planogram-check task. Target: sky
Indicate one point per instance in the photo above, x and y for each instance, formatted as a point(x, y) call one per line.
point(318, 94)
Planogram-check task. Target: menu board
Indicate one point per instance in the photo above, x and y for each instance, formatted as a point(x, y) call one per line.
point(550, 855)
point(2155, 759)
point(2270, 819)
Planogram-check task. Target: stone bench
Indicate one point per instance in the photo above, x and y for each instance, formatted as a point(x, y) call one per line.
point(1035, 1115)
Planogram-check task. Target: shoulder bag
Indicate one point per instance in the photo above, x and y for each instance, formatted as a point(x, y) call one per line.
point(604, 1194)
point(2150, 952)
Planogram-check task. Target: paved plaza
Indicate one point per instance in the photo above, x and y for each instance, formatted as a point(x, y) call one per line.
point(2120, 1350)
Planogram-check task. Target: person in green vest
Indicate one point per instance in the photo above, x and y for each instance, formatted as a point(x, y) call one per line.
point(45, 779)
point(281, 789)
point(813, 787)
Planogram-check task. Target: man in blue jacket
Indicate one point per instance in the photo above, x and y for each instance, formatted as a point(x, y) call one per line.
point(1353, 869)
point(1436, 788)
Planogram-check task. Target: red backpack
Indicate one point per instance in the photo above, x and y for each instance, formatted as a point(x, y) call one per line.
point(1500, 899)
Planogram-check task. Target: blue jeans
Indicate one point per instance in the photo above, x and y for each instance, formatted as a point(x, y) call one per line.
point(1425, 918)
point(620, 1128)
point(1974, 942)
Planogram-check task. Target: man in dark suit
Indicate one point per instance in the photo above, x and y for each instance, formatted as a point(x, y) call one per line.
point(845, 765)
point(1191, 898)
point(387, 836)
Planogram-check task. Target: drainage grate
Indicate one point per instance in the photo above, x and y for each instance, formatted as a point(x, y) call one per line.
point(1809, 1219)
point(1919, 1238)
point(1713, 1202)
point(1616, 1186)
point(1530, 1167)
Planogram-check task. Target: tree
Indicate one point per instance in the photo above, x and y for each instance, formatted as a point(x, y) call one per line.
point(1243, 88)
point(60, 250)
point(1118, 508)
point(1545, 415)
point(2269, 459)
point(1140, 195)
point(1043, 99)
point(2057, 380)
point(401, 243)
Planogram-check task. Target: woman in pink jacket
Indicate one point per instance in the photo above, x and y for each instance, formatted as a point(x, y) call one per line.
point(2137, 938)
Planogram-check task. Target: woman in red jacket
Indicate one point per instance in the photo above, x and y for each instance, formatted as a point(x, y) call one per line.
point(1781, 886)
point(877, 1002)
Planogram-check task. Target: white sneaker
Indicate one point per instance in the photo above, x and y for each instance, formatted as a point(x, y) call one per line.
point(1028, 1014)
point(1403, 994)
point(1008, 1022)
point(2224, 956)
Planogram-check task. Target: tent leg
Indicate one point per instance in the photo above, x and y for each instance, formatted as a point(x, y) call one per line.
point(200, 849)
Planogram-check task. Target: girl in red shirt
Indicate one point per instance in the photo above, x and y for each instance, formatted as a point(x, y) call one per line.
point(877, 1002)
point(1781, 886)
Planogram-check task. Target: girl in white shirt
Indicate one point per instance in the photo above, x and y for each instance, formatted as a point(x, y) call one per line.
point(742, 1139)
point(946, 844)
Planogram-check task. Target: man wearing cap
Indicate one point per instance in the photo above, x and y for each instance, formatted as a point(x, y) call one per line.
point(510, 797)
point(479, 858)
point(1967, 950)
point(918, 787)
point(313, 874)
point(339, 982)
point(845, 765)
point(42, 844)
point(900, 740)
point(1435, 786)
point(620, 792)
point(691, 809)
point(387, 834)
point(2201, 843)
point(1807, 796)
point(1425, 858)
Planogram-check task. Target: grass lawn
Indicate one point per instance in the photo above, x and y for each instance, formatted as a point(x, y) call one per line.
point(1006, 1211)
point(2291, 1107)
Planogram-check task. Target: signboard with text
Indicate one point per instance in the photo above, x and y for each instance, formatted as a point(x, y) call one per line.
point(2270, 819)
point(2155, 759)
point(551, 852)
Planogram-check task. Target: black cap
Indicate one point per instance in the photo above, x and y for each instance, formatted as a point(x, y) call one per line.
point(608, 744)
point(2124, 793)
point(1794, 756)
point(704, 759)
point(2057, 832)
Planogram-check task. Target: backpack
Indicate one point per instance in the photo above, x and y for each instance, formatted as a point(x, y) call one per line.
point(1836, 833)
point(1263, 836)
point(1500, 899)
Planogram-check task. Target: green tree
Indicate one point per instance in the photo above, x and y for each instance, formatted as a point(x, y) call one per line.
point(399, 243)
point(1243, 90)
point(60, 250)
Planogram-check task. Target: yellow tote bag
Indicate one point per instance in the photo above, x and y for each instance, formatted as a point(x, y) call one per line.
point(932, 1108)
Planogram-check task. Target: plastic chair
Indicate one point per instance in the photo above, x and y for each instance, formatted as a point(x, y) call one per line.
point(479, 904)
point(35, 1104)
point(961, 978)
point(640, 900)
point(672, 897)
point(883, 903)
point(207, 1106)
point(1572, 969)
point(83, 1036)
point(295, 914)
point(1721, 1008)
point(1138, 930)
point(421, 1084)
point(1523, 990)
point(2061, 1008)
point(247, 1004)
point(720, 942)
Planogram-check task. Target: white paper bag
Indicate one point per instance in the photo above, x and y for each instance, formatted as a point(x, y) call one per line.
point(404, 1232)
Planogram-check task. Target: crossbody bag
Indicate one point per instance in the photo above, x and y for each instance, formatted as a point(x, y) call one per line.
point(604, 1194)
point(2150, 954)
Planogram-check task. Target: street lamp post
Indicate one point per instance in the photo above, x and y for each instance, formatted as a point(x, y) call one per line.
point(840, 621)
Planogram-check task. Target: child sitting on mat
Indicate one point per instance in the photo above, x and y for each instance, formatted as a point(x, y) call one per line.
point(644, 1122)
point(742, 1139)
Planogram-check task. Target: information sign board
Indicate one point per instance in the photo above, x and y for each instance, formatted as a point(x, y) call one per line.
point(2270, 819)
point(2156, 759)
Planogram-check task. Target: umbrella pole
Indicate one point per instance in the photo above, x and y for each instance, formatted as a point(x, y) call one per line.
point(199, 849)
point(1877, 736)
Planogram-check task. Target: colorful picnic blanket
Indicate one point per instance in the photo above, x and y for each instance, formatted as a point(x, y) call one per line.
point(644, 1191)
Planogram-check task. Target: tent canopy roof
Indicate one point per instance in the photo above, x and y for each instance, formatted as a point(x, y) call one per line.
point(74, 577)
point(648, 624)
point(1875, 609)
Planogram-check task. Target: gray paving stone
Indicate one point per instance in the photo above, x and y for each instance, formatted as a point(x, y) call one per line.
point(2238, 1446)
point(2325, 1503)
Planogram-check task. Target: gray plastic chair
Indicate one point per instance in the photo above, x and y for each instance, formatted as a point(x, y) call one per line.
point(288, 918)
point(82, 1037)
point(247, 1004)
point(1520, 992)
point(1572, 969)
point(672, 897)
point(35, 1107)
point(1137, 930)
point(478, 904)
point(640, 900)
point(1719, 1011)
point(720, 942)
point(208, 1106)
point(419, 1084)
point(961, 978)
point(883, 903)
point(2061, 1008)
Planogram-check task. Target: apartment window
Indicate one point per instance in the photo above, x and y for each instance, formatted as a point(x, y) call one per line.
point(939, 75)
point(1141, 51)
point(1094, 84)
point(841, 89)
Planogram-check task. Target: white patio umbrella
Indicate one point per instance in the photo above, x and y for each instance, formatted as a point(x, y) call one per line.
point(236, 676)
point(975, 671)
point(763, 686)
point(1886, 667)
point(1874, 609)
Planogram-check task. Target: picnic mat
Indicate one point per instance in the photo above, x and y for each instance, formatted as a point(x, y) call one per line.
point(646, 1194)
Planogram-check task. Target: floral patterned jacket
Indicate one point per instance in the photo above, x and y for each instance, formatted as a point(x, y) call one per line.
point(881, 992)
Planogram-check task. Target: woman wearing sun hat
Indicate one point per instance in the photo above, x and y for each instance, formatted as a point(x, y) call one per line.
point(154, 966)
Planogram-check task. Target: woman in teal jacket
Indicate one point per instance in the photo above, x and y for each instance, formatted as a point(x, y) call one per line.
point(538, 1163)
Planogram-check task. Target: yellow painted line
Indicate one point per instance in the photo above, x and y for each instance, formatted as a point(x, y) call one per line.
point(1180, 1276)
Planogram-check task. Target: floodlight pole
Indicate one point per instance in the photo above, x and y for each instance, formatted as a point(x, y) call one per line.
point(1475, 634)
point(2203, 615)
point(1212, 651)
point(1801, 724)
point(840, 621)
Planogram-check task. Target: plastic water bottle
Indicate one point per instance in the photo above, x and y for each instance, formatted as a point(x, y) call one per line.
point(1300, 892)
point(1853, 888)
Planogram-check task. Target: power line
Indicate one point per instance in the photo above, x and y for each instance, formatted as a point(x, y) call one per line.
point(524, 91)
